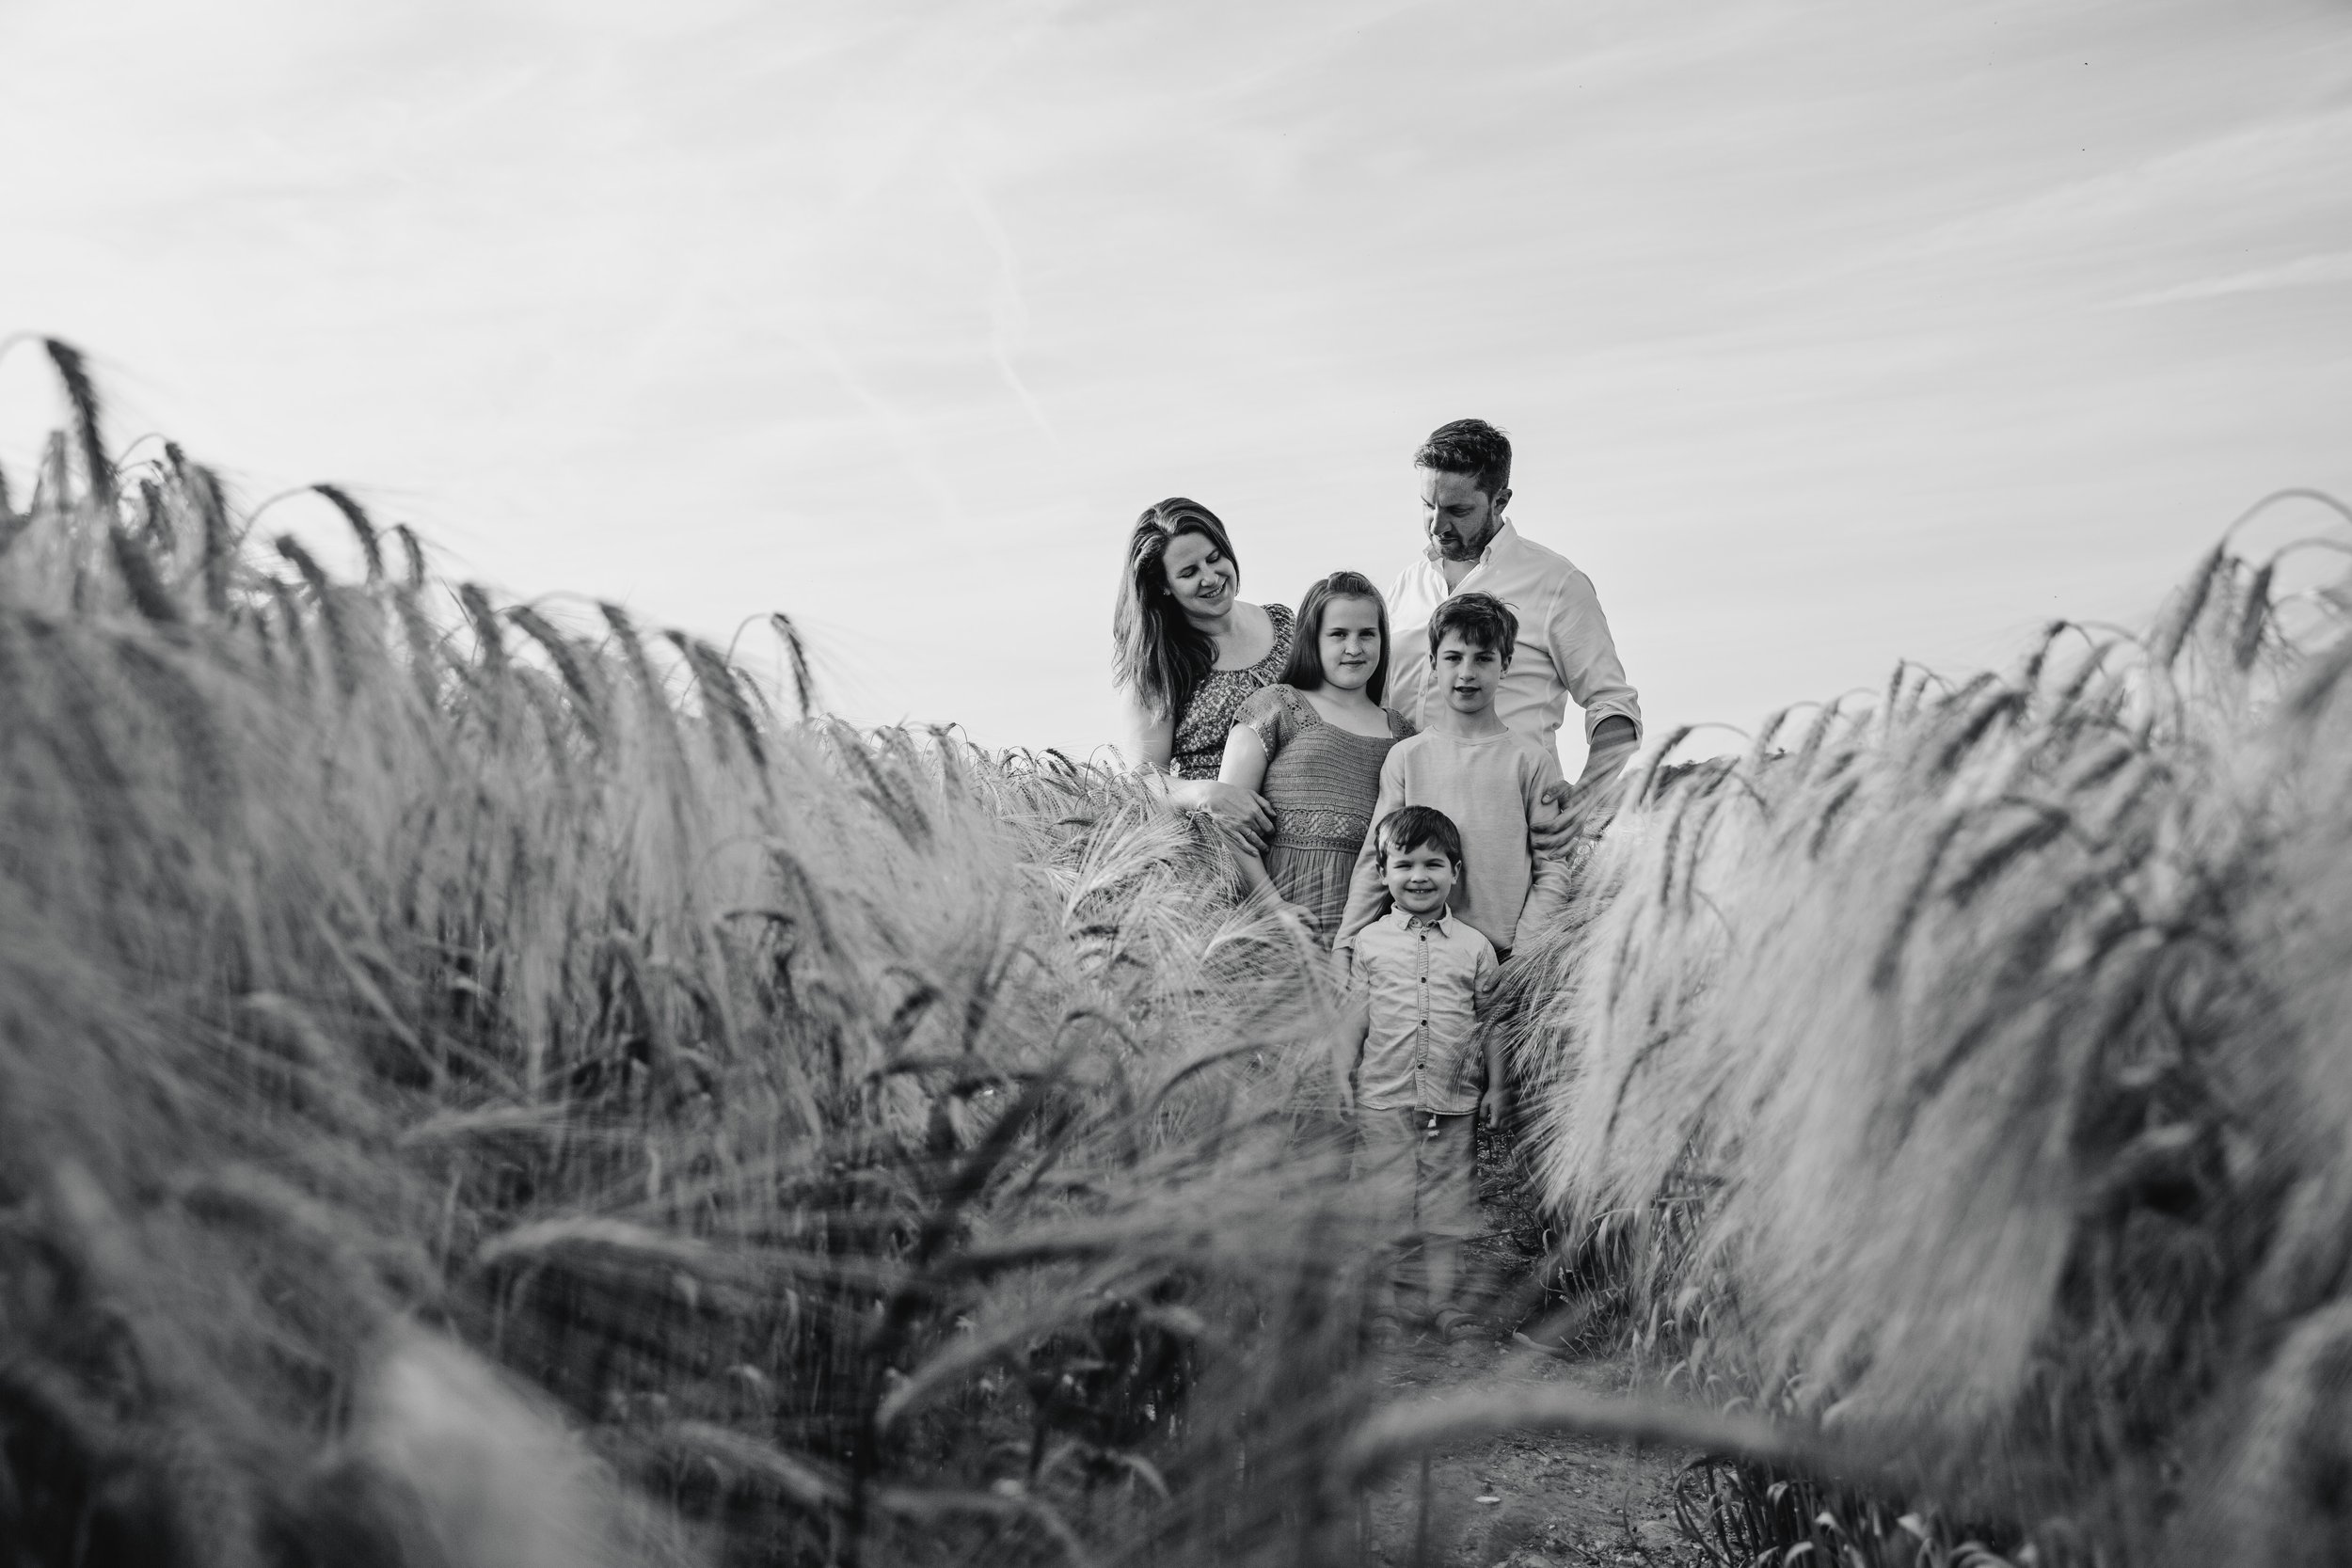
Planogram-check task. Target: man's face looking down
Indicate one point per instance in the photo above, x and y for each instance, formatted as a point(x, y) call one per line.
point(1458, 517)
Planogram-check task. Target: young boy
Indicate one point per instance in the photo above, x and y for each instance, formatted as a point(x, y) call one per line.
point(1488, 779)
point(1403, 1057)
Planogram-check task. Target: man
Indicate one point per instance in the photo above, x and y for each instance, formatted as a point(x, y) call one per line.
point(1564, 651)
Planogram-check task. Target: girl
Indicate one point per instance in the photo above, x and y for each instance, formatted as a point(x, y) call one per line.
point(1312, 746)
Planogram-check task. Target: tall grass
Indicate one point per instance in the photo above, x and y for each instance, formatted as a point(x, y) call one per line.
point(479, 1088)
point(480, 1084)
point(1966, 1075)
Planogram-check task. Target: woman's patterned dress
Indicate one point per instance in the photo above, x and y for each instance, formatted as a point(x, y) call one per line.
point(1200, 739)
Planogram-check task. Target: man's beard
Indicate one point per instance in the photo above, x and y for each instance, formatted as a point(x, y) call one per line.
point(1455, 547)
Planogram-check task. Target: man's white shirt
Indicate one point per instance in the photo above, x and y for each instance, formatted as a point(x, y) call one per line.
point(1565, 650)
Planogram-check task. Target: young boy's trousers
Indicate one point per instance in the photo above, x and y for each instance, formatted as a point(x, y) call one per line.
point(1423, 1178)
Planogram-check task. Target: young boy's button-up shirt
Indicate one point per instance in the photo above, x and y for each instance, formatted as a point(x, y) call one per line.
point(1421, 976)
point(1565, 650)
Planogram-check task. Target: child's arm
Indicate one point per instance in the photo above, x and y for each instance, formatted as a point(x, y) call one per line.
point(1367, 894)
point(1548, 884)
point(1347, 1036)
point(1495, 1105)
point(1245, 765)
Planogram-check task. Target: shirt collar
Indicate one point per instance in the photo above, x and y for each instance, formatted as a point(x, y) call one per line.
point(1429, 552)
point(1442, 923)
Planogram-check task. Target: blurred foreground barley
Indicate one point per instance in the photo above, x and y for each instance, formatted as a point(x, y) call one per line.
point(1966, 1077)
point(479, 1086)
point(486, 1085)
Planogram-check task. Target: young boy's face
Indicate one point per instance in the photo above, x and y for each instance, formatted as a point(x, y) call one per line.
point(1421, 880)
point(1469, 672)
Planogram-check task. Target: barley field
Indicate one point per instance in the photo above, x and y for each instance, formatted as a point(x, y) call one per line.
point(495, 1082)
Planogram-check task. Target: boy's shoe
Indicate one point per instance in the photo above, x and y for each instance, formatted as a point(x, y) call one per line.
point(1455, 1326)
point(1385, 1330)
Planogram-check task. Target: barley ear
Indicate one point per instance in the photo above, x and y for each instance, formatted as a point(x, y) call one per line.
point(2181, 616)
point(220, 544)
point(804, 685)
point(2253, 619)
point(341, 650)
point(414, 549)
point(148, 595)
point(78, 390)
point(586, 698)
point(357, 517)
point(485, 627)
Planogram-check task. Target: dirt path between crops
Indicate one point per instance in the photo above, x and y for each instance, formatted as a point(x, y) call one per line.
point(1520, 1501)
point(1523, 1502)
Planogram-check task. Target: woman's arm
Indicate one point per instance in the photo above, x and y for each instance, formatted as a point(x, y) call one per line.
point(1150, 744)
point(1149, 736)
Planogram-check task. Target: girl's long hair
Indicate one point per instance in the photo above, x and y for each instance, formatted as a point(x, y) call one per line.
point(1156, 652)
point(1305, 669)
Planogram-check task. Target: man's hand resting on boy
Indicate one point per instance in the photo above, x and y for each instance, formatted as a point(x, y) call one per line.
point(1614, 740)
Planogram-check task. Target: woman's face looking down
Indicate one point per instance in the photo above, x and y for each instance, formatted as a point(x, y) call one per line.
point(1350, 643)
point(1199, 576)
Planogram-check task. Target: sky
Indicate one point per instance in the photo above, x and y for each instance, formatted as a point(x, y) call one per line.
point(1829, 332)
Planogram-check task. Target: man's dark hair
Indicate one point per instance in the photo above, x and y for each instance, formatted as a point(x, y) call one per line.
point(1411, 827)
point(1471, 447)
point(1305, 670)
point(1480, 620)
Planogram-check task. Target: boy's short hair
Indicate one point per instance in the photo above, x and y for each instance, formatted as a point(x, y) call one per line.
point(1471, 447)
point(1411, 827)
point(1480, 620)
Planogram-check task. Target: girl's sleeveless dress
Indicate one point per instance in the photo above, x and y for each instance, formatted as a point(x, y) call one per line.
point(1199, 738)
point(1322, 781)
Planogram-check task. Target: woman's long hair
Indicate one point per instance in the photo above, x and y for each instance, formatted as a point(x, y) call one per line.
point(1305, 670)
point(1156, 652)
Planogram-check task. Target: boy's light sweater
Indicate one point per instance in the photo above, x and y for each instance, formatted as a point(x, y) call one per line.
point(1492, 786)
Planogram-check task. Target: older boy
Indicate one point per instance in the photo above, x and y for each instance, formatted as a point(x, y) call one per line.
point(1402, 1056)
point(1491, 780)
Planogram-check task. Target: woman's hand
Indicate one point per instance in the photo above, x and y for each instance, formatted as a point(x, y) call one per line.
point(1495, 1105)
point(1240, 812)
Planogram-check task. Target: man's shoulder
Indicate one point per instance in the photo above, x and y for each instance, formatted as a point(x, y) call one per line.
point(1542, 560)
point(1416, 590)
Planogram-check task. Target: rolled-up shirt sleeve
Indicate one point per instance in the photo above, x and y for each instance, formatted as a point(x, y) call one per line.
point(1585, 656)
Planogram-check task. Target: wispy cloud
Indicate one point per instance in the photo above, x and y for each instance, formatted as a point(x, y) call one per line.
point(2305, 272)
point(1009, 314)
point(2249, 158)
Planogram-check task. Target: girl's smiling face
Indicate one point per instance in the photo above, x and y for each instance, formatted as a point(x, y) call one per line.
point(1200, 575)
point(1350, 643)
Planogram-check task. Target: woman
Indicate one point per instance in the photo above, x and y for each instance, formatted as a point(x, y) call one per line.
point(1313, 745)
point(1188, 651)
